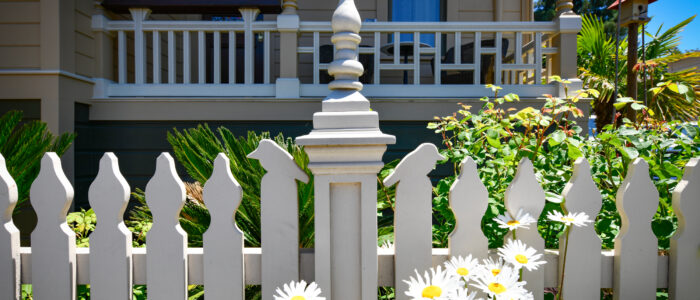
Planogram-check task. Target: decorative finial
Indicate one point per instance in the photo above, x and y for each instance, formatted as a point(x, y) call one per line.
point(345, 67)
point(565, 7)
point(289, 7)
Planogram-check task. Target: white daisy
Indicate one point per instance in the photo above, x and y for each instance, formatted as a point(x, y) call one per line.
point(464, 294)
point(578, 219)
point(493, 267)
point(462, 267)
point(522, 219)
point(520, 255)
point(437, 285)
point(299, 291)
point(504, 286)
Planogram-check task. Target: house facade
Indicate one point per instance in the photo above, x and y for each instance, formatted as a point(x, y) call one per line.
point(123, 73)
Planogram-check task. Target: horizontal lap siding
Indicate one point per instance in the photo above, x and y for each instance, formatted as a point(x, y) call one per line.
point(84, 39)
point(19, 34)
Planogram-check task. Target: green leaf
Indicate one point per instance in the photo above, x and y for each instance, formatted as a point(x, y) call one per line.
point(662, 228)
point(557, 138)
point(573, 152)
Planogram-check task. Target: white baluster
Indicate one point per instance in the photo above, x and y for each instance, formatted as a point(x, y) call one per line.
point(413, 237)
point(201, 66)
point(232, 57)
point(249, 15)
point(538, 58)
point(121, 53)
point(186, 53)
point(9, 237)
point(583, 260)
point(223, 242)
point(279, 215)
point(217, 57)
point(139, 15)
point(438, 57)
point(636, 246)
point(316, 58)
point(477, 58)
point(376, 57)
point(166, 258)
point(684, 265)
point(458, 48)
point(53, 242)
point(156, 56)
point(416, 58)
point(468, 200)
point(110, 244)
point(171, 57)
point(266, 57)
point(526, 194)
point(498, 59)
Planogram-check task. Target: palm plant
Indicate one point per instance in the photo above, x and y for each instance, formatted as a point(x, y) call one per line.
point(670, 96)
point(23, 146)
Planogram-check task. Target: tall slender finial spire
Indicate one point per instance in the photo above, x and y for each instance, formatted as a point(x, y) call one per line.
point(345, 67)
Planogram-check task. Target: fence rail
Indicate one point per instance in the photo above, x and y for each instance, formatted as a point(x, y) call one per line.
point(55, 266)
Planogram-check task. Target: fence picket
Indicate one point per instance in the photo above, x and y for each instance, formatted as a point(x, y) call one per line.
point(413, 238)
point(223, 241)
point(526, 193)
point(110, 243)
point(279, 216)
point(583, 260)
point(9, 237)
point(635, 268)
point(166, 258)
point(684, 264)
point(468, 200)
point(53, 242)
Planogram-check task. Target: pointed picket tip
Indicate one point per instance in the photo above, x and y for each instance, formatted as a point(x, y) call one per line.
point(468, 165)
point(274, 157)
point(685, 197)
point(164, 187)
point(51, 184)
point(220, 186)
point(109, 192)
point(419, 162)
point(525, 192)
point(468, 200)
point(8, 192)
point(639, 191)
point(580, 184)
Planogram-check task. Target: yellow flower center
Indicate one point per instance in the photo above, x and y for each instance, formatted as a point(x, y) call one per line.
point(567, 219)
point(462, 271)
point(431, 292)
point(521, 258)
point(495, 272)
point(497, 288)
point(298, 298)
point(513, 222)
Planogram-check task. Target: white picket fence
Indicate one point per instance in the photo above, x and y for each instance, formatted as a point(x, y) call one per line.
point(54, 266)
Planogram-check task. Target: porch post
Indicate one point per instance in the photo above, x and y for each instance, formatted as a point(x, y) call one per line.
point(287, 85)
point(345, 151)
point(564, 63)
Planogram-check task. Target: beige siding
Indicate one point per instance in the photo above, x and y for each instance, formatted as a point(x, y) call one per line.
point(84, 39)
point(19, 34)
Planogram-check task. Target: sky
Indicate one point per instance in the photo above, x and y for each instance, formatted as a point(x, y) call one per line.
point(672, 12)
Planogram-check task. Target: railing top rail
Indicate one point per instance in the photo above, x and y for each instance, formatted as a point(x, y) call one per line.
point(192, 25)
point(445, 27)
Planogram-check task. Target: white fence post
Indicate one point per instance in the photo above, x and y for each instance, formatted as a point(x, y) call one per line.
point(279, 216)
point(166, 258)
point(345, 165)
point(53, 242)
point(684, 264)
point(413, 230)
point(526, 194)
point(583, 260)
point(110, 244)
point(468, 200)
point(139, 15)
point(636, 246)
point(224, 272)
point(9, 237)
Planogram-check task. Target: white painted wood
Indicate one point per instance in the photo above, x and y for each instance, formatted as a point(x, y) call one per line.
point(217, 57)
point(397, 48)
point(266, 57)
point(525, 193)
point(477, 58)
point(249, 15)
point(428, 27)
point(468, 200)
point(201, 63)
point(223, 262)
point(583, 260)
point(684, 265)
point(166, 241)
point(279, 215)
point(110, 243)
point(156, 57)
point(172, 71)
point(139, 15)
point(9, 237)
point(53, 242)
point(416, 58)
point(438, 58)
point(636, 245)
point(498, 60)
point(412, 91)
point(518, 48)
point(231, 57)
point(316, 58)
point(376, 51)
point(538, 58)
point(186, 73)
point(121, 53)
point(413, 238)
point(191, 90)
point(458, 48)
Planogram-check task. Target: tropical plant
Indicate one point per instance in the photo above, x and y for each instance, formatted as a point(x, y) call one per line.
point(23, 146)
point(670, 96)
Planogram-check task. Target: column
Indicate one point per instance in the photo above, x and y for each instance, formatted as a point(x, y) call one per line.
point(287, 85)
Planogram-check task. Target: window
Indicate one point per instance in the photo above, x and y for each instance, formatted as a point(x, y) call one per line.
point(417, 11)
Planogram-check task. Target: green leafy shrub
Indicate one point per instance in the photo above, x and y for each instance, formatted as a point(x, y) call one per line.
point(23, 146)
